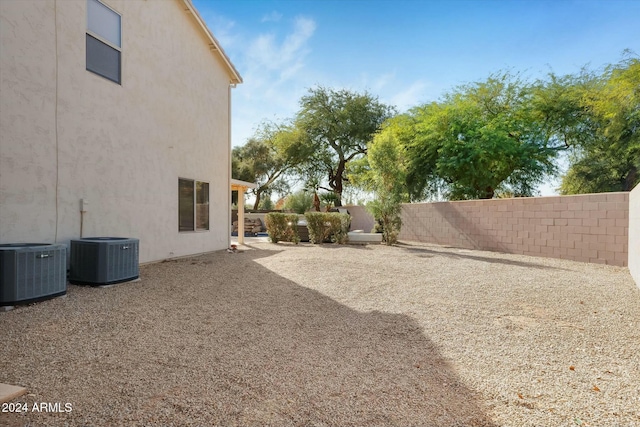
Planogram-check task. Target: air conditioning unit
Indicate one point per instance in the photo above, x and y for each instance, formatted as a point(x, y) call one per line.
point(32, 272)
point(103, 260)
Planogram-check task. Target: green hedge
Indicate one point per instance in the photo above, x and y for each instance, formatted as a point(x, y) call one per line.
point(328, 226)
point(282, 227)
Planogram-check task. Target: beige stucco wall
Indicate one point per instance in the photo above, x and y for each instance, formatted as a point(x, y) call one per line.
point(634, 234)
point(588, 227)
point(68, 134)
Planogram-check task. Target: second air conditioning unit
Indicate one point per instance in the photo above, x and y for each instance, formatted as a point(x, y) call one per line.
point(104, 260)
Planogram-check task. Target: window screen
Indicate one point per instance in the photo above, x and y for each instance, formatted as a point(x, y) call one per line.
point(202, 206)
point(102, 59)
point(185, 205)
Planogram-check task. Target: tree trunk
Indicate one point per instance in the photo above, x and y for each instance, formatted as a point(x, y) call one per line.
point(630, 180)
point(488, 193)
point(255, 205)
point(337, 187)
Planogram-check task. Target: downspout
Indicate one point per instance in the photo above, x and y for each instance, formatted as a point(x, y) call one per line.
point(57, 192)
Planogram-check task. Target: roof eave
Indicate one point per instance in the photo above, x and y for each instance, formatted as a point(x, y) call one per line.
point(236, 184)
point(214, 45)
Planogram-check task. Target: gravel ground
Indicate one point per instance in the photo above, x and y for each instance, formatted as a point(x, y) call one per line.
point(330, 335)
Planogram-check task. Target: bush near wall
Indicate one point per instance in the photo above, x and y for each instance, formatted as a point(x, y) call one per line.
point(328, 227)
point(282, 227)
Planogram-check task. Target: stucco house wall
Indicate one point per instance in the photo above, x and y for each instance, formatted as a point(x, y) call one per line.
point(68, 134)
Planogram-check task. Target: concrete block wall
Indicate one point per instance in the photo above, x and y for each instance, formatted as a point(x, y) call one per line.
point(361, 219)
point(634, 234)
point(588, 227)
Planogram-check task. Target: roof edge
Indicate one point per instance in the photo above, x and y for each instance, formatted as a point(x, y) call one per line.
point(215, 45)
point(239, 183)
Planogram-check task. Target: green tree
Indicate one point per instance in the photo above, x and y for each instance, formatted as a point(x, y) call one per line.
point(266, 204)
point(386, 177)
point(606, 156)
point(267, 158)
point(483, 139)
point(338, 124)
point(299, 202)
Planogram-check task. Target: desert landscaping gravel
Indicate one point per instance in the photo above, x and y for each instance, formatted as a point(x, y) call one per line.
point(328, 335)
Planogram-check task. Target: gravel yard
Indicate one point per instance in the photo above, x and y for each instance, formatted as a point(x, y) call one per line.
point(286, 335)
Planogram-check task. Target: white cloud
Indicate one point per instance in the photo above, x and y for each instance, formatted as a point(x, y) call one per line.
point(393, 91)
point(382, 81)
point(273, 64)
point(295, 42)
point(272, 17)
point(265, 52)
point(274, 71)
point(409, 97)
point(222, 29)
point(374, 84)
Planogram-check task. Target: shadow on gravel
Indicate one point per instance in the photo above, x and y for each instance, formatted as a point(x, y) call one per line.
point(327, 246)
point(351, 246)
point(423, 252)
point(220, 340)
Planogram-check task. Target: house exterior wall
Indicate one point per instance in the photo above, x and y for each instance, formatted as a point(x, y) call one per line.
point(634, 234)
point(589, 228)
point(68, 134)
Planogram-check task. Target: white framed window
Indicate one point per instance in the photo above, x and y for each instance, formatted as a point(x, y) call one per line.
point(104, 41)
point(193, 205)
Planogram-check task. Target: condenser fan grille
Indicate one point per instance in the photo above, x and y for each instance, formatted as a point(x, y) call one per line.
point(31, 272)
point(104, 260)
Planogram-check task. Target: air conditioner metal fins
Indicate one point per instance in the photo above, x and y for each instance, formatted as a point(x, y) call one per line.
point(32, 272)
point(104, 260)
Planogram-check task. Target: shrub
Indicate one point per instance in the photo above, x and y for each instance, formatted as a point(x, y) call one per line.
point(328, 226)
point(386, 210)
point(342, 235)
point(299, 202)
point(282, 227)
point(387, 178)
point(328, 199)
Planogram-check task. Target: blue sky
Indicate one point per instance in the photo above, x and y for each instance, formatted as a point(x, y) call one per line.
point(406, 52)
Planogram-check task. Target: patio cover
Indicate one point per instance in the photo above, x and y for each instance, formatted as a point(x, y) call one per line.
point(241, 187)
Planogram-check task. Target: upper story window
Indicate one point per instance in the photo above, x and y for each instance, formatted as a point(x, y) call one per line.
point(104, 41)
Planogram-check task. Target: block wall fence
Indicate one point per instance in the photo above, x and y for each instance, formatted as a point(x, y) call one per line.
point(588, 227)
point(361, 219)
point(634, 234)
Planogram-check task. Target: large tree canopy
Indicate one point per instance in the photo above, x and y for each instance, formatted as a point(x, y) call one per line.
point(480, 140)
point(384, 168)
point(493, 138)
point(338, 124)
point(268, 157)
point(606, 155)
